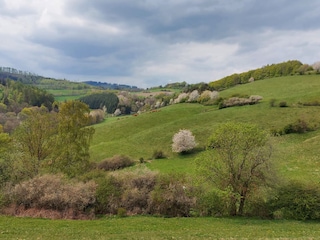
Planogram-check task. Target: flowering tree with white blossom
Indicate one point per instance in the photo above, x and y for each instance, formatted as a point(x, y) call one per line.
point(183, 141)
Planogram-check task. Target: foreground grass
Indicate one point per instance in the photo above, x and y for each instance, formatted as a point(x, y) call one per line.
point(157, 228)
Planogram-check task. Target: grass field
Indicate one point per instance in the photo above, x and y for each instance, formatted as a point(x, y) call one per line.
point(157, 228)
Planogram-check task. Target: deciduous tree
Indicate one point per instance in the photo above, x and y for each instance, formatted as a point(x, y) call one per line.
point(72, 154)
point(183, 141)
point(35, 137)
point(237, 160)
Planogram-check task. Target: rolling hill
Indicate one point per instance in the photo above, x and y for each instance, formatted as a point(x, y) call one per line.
point(297, 155)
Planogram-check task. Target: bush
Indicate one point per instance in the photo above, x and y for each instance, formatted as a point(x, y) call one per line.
point(135, 188)
point(171, 197)
point(193, 96)
point(239, 101)
point(115, 163)
point(272, 102)
point(158, 154)
point(297, 201)
point(299, 126)
point(183, 141)
point(283, 104)
point(183, 97)
point(311, 103)
point(258, 206)
point(53, 192)
point(96, 116)
point(211, 203)
point(207, 96)
point(108, 195)
point(121, 212)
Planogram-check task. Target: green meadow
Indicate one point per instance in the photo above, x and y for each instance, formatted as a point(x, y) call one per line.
point(296, 155)
point(157, 228)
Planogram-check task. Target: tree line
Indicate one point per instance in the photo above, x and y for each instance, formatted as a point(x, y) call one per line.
point(106, 100)
point(269, 71)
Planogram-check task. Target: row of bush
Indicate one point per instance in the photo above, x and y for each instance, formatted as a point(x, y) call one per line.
point(239, 101)
point(146, 192)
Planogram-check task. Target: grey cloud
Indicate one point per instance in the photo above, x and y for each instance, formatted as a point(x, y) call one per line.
point(153, 42)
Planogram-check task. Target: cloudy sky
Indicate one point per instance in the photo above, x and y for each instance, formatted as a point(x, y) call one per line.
point(154, 42)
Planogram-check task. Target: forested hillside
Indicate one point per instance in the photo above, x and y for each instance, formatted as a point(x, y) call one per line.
point(270, 71)
point(15, 96)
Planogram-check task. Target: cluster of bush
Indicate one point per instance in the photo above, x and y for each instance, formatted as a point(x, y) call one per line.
point(238, 101)
point(310, 103)
point(299, 126)
point(195, 96)
point(115, 163)
point(147, 192)
point(273, 103)
point(122, 193)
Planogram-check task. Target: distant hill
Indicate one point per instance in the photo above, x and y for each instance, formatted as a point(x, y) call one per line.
point(115, 86)
point(19, 75)
point(32, 78)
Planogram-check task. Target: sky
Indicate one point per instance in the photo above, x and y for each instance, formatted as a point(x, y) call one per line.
point(149, 43)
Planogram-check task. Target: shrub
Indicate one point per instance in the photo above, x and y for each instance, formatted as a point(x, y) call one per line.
point(207, 96)
point(121, 212)
point(297, 201)
point(172, 196)
point(183, 97)
point(158, 154)
point(96, 116)
point(135, 189)
point(283, 104)
point(299, 126)
point(183, 141)
point(53, 192)
point(211, 203)
point(193, 96)
point(115, 163)
point(117, 112)
point(311, 103)
point(239, 101)
point(108, 195)
point(272, 102)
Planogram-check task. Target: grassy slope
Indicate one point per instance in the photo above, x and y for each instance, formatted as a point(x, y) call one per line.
point(157, 228)
point(298, 155)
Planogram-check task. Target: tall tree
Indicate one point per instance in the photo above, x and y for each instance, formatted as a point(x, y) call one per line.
point(5, 140)
point(237, 160)
point(35, 137)
point(72, 153)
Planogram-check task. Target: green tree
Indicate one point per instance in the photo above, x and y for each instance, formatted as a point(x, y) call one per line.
point(4, 164)
point(72, 153)
point(35, 138)
point(99, 100)
point(237, 161)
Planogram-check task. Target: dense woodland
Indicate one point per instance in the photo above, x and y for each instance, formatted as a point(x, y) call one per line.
point(45, 160)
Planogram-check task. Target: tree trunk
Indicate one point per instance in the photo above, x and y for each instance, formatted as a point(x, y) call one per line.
point(242, 201)
point(233, 206)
